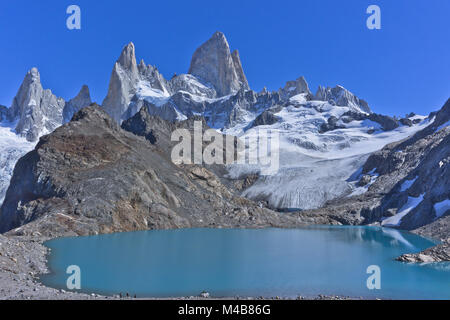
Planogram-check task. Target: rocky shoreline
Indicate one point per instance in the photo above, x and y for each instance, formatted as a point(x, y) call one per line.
point(22, 260)
point(437, 230)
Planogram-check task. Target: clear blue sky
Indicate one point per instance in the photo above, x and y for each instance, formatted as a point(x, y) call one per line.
point(403, 67)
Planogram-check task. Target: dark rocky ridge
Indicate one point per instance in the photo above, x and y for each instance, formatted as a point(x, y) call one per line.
point(90, 176)
point(265, 118)
point(159, 131)
point(423, 158)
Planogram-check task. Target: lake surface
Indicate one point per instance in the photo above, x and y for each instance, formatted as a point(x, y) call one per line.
point(268, 262)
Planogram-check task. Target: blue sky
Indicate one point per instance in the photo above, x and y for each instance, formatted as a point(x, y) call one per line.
point(403, 67)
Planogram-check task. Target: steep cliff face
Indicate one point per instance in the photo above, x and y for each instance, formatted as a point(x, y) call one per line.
point(420, 167)
point(3, 113)
point(130, 81)
point(213, 63)
point(90, 176)
point(37, 111)
point(239, 70)
point(122, 84)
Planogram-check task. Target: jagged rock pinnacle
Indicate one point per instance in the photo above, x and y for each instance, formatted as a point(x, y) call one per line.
point(127, 59)
point(212, 62)
point(83, 99)
point(296, 87)
point(38, 111)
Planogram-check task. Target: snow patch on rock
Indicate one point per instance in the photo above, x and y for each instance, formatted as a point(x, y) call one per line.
point(407, 207)
point(442, 207)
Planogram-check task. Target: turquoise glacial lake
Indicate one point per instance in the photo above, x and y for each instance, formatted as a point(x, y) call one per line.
point(268, 262)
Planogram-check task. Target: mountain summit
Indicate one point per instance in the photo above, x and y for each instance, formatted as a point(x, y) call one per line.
point(124, 78)
point(325, 137)
point(214, 63)
point(38, 111)
point(125, 81)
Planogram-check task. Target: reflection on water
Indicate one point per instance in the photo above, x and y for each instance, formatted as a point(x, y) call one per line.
point(269, 262)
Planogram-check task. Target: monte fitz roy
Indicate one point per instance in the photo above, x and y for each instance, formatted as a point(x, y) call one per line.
point(73, 168)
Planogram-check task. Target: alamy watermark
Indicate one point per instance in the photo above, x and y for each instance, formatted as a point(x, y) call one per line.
point(74, 20)
point(74, 280)
point(374, 20)
point(374, 281)
point(262, 148)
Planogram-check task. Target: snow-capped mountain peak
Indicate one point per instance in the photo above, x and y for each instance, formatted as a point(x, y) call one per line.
point(34, 112)
point(325, 138)
point(215, 64)
point(127, 59)
point(37, 111)
point(126, 79)
point(342, 97)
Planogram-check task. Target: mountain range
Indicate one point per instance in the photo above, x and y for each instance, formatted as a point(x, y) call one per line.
point(340, 162)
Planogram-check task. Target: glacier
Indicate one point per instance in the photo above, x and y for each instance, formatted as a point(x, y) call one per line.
point(12, 148)
point(316, 167)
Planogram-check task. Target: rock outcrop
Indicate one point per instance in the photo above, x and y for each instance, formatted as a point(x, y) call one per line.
point(438, 229)
point(239, 70)
point(265, 118)
point(386, 122)
point(330, 125)
point(213, 63)
point(438, 253)
point(415, 169)
point(293, 88)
